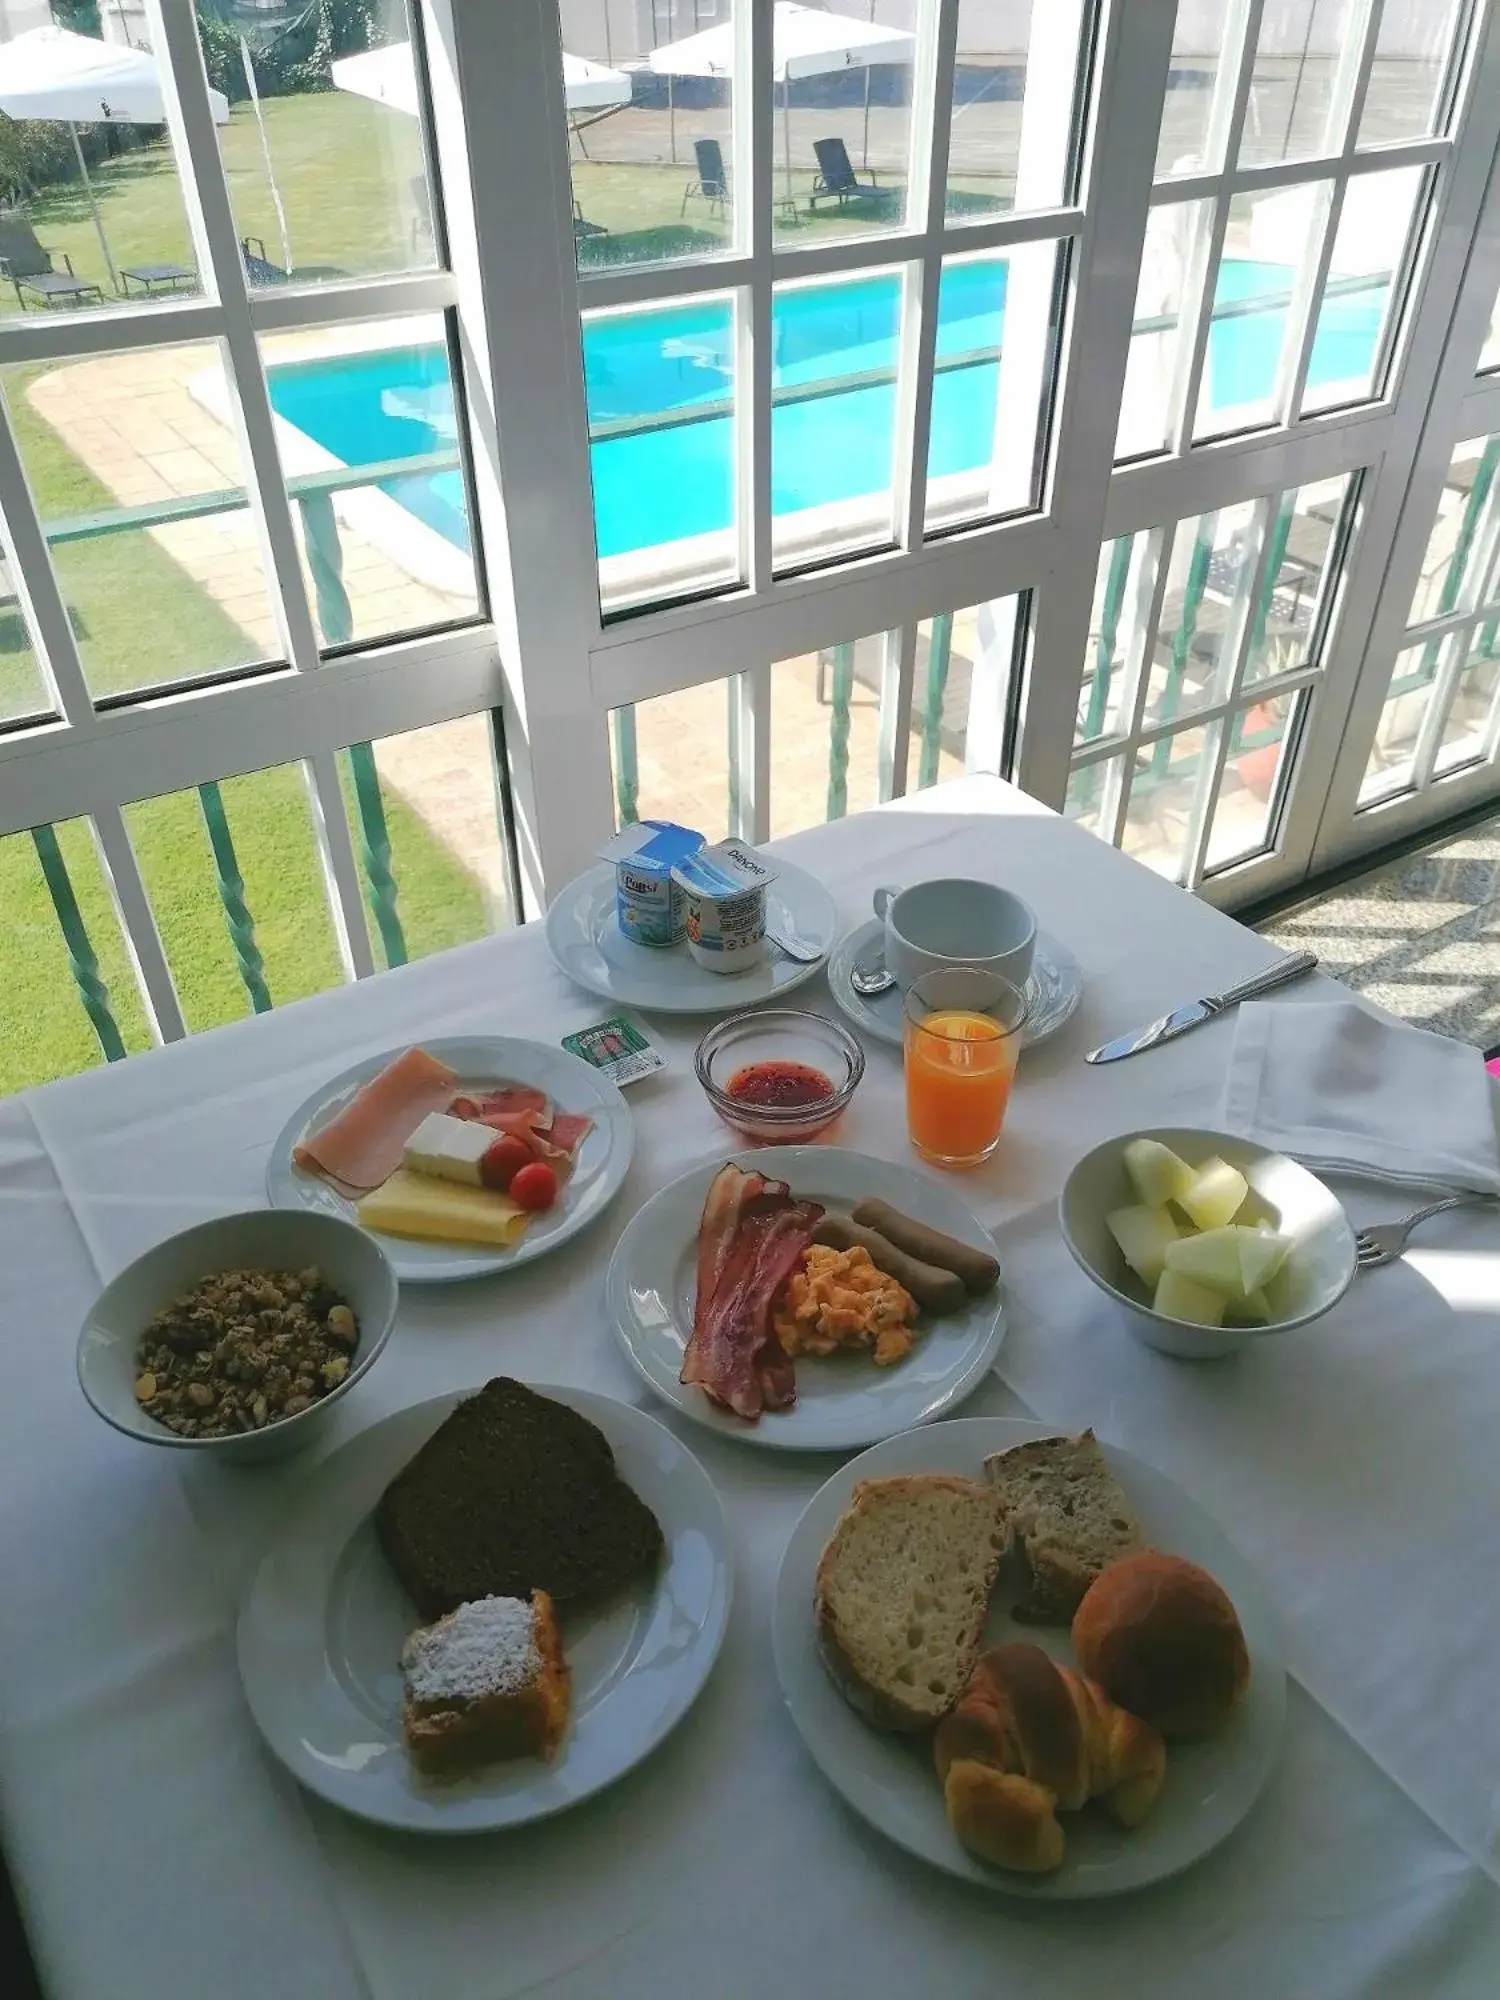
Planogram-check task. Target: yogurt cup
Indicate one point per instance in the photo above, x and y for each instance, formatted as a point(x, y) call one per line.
point(724, 888)
point(650, 908)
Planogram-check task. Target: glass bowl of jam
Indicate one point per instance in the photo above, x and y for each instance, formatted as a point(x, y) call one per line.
point(779, 1075)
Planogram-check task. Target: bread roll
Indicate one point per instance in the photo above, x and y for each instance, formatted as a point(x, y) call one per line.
point(1030, 1739)
point(1161, 1637)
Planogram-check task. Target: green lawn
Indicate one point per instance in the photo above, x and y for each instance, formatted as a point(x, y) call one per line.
point(142, 619)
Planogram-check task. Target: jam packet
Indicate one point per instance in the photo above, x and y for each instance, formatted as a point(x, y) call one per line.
point(618, 1048)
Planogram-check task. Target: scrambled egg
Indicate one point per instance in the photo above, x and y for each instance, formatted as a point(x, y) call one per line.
point(839, 1299)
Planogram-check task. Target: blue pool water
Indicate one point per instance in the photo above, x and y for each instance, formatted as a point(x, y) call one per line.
point(659, 386)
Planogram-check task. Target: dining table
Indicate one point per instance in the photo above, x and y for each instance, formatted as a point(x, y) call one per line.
point(159, 1852)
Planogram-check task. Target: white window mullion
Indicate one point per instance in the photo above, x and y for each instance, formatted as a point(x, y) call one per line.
point(35, 583)
point(138, 925)
point(340, 865)
point(754, 123)
point(898, 673)
point(174, 35)
point(927, 190)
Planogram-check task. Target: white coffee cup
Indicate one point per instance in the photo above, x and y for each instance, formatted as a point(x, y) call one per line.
point(934, 925)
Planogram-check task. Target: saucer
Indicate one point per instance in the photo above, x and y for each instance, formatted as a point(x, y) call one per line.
point(1053, 988)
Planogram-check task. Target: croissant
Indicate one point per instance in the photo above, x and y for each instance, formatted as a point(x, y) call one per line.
point(1029, 1739)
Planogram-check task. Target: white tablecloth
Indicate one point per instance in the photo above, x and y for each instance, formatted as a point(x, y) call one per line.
point(158, 1851)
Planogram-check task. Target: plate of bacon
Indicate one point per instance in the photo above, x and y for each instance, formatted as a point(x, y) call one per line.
point(771, 1310)
point(469, 1155)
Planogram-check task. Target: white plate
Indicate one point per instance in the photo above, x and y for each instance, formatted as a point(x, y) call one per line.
point(478, 1060)
point(890, 1780)
point(587, 944)
point(843, 1400)
point(1054, 988)
point(322, 1625)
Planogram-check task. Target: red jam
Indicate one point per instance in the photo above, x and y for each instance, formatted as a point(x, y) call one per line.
point(784, 1086)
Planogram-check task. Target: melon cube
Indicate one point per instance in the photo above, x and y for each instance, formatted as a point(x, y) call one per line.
point(1143, 1235)
point(1215, 1194)
point(1211, 1258)
point(1252, 1310)
point(1182, 1297)
point(1262, 1254)
point(1156, 1173)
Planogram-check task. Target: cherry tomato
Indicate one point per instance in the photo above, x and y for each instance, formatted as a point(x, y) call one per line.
point(504, 1161)
point(535, 1186)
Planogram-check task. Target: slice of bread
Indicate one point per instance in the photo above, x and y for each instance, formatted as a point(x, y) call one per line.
point(1070, 1516)
point(485, 1682)
point(514, 1493)
point(902, 1592)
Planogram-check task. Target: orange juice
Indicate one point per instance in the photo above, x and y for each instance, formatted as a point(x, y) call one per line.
point(959, 1067)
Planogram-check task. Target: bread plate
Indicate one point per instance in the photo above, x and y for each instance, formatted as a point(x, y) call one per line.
point(889, 1780)
point(478, 1061)
point(323, 1621)
point(843, 1400)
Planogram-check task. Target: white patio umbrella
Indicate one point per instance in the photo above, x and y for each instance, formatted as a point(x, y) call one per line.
point(389, 76)
point(805, 41)
point(51, 73)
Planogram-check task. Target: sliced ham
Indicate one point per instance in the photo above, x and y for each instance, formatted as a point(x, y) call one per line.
point(568, 1131)
point(751, 1236)
point(361, 1147)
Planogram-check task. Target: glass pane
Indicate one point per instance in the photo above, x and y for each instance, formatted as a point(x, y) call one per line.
point(1159, 327)
point(843, 115)
point(44, 1031)
point(1268, 237)
point(1458, 569)
point(649, 105)
point(1412, 56)
point(660, 391)
point(424, 811)
point(960, 691)
point(1209, 572)
point(833, 421)
point(371, 445)
point(138, 479)
point(998, 329)
point(1466, 727)
point(825, 734)
point(1122, 589)
point(110, 235)
point(264, 828)
point(1253, 780)
point(1197, 46)
point(1353, 339)
point(23, 687)
point(1290, 115)
point(1014, 88)
point(1297, 577)
point(1093, 794)
point(1390, 767)
point(670, 758)
point(326, 182)
point(1164, 784)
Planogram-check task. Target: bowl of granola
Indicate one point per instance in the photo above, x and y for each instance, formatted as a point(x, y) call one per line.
point(238, 1336)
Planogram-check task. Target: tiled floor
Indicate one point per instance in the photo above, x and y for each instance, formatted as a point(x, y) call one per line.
point(1421, 935)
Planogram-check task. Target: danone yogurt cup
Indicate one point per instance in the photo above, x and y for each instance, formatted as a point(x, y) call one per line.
point(725, 888)
point(649, 906)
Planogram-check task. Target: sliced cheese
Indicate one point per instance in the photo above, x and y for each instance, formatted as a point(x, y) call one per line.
point(448, 1148)
point(414, 1205)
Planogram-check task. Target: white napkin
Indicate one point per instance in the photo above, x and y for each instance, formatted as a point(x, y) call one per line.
point(1331, 1083)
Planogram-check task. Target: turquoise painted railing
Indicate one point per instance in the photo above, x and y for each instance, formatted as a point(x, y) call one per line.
point(841, 698)
point(627, 764)
point(939, 652)
point(82, 962)
point(1187, 624)
point(375, 851)
point(231, 886)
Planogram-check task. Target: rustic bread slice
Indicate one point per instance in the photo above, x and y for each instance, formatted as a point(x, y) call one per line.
point(902, 1591)
point(1070, 1517)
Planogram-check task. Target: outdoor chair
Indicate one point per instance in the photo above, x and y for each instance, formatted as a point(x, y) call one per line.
point(258, 267)
point(30, 268)
point(836, 179)
point(712, 184)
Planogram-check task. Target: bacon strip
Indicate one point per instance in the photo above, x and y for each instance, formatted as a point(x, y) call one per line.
point(750, 1238)
point(362, 1146)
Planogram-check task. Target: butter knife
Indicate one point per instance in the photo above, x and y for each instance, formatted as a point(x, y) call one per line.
point(1181, 1019)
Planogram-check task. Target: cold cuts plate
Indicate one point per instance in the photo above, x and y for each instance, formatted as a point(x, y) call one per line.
point(843, 1400)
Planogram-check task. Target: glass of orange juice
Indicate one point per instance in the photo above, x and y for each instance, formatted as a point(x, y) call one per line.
point(962, 1033)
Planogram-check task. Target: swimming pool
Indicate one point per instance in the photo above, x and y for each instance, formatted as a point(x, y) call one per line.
point(659, 387)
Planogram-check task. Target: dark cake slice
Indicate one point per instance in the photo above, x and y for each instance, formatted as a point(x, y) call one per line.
point(514, 1493)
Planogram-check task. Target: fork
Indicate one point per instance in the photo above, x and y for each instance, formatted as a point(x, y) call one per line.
point(1383, 1242)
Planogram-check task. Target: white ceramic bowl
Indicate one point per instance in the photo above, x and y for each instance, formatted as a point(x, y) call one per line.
point(261, 1239)
point(1319, 1267)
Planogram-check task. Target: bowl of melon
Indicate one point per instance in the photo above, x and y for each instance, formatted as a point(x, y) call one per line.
point(1207, 1241)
